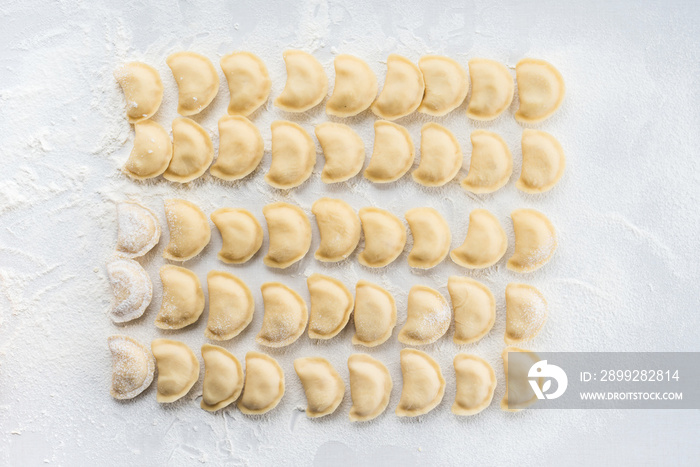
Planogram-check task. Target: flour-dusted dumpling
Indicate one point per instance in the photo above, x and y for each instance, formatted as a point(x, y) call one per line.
point(223, 378)
point(248, 82)
point(403, 89)
point(241, 148)
point(535, 240)
point(131, 287)
point(431, 237)
point(264, 384)
point(476, 382)
point(519, 394)
point(307, 83)
point(440, 156)
point(138, 229)
point(197, 81)
point(492, 89)
point(485, 243)
point(331, 305)
point(343, 151)
point(133, 367)
point(428, 316)
point(193, 151)
point(540, 89)
point(374, 315)
point(142, 88)
point(231, 306)
point(323, 386)
point(178, 369)
point(474, 308)
point(290, 234)
point(339, 228)
point(183, 298)
point(293, 155)
point(152, 151)
point(370, 387)
point(241, 234)
point(285, 315)
point(543, 162)
point(355, 87)
point(423, 384)
point(491, 163)
point(526, 312)
point(189, 230)
point(446, 85)
point(392, 155)
point(385, 237)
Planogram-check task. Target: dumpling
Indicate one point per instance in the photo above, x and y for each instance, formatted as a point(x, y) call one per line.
point(264, 384)
point(446, 85)
point(241, 234)
point(392, 155)
point(440, 156)
point(323, 386)
point(343, 151)
point(248, 82)
point(339, 228)
point(374, 315)
point(285, 315)
point(197, 81)
point(485, 243)
point(543, 162)
point(183, 298)
point(307, 83)
point(516, 365)
point(423, 384)
point(193, 151)
point(526, 312)
point(492, 89)
point(431, 237)
point(178, 369)
point(370, 387)
point(355, 87)
point(491, 163)
point(223, 378)
point(231, 306)
point(138, 229)
point(535, 240)
point(189, 230)
point(428, 316)
point(142, 88)
point(241, 148)
point(331, 305)
point(133, 367)
point(152, 151)
point(476, 382)
point(293, 155)
point(403, 89)
point(474, 308)
point(290, 234)
point(540, 89)
point(131, 287)
point(385, 237)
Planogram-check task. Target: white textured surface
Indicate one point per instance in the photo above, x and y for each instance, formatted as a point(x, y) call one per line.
point(624, 277)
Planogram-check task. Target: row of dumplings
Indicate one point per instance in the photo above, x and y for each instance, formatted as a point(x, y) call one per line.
point(436, 86)
point(289, 231)
point(263, 386)
point(241, 149)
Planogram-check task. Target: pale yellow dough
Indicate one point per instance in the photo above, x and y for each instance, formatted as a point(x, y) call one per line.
point(428, 316)
point(355, 87)
point(540, 89)
point(403, 89)
point(189, 230)
point(290, 234)
point(183, 298)
point(339, 228)
point(223, 378)
point(370, 387)
point(385, 237)
point(476, 383)
point(323, 386)
point(197, 81)
point(142, 89)
point(293, 155)
point(485, 243)
point(474, 309)
point(178, 369)
point(392, 155)
point(131, 288)
point(285, 315)
point(307, 83)
point(248, 82)
point(331, 306)
point(264, 384)
point(491, 163)
point(440, 156)
point(446, 85)
point(133, 367)
point(543, 162)
point(492, 89)
point(152, 151)
point(193, 151)
point(423, 384)
point(241, 234)
point(343, 151)
point(241, 148)
point(526, 312)
point(138, 229)
point(431, 237)
point(231, 306)
point(519, 394)
point(374, 315)
point(535, 240)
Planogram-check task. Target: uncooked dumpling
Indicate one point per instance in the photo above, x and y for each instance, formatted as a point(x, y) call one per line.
point(138, 229)
point(331, 305)
point(264, 384)
point(543, 162)
point(241, 148)
point(440, 156)
point(193, 151)
point(223, 378)
point(385, 237)
point(248, 82)
point(392, 155)
point(485, 244)
point(370, 387)
point(428, 316)
point(183, 298)
point(403, 89)
point(133, 367)
point(431, 237)
point(474, 308)
point(535, 240)
point(526, 312)
point(293, 155)
point(231, 306)
point(189, 230)
point(323, 386)
point(476, 382)
point(241, 234)
point(178, 369)
point(374, 315)
point(285, 315)
point(290, 234)
point(142, 88)
point(339, 228)
point(423, 384)
point(492, 89)
point(355, 87)
point(307, 83)
point(343, 151)
point(446, 85)
point(131, 287)
point(197, 81)
point(152, 151)
point(491, 163)
point(519, 394)
point(540, 89)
